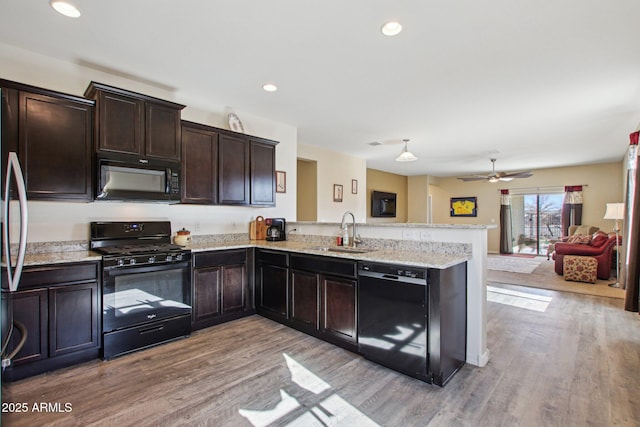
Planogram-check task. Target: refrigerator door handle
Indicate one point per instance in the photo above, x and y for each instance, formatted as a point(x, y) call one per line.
point(14, 170)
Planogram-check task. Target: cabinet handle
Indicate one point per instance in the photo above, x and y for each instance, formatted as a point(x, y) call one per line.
point(150, 330)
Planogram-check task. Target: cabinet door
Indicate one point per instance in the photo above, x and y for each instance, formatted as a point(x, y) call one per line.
point(273, 281)
point(338, 317)
point(234, 288)
point(233, 170)
point(199, 165)
point(162, 138)
point(55, 147)
point(206, 290)
point(304, 298)
point(73, 318)
point(120, 122)
point(30, 309)
point(263, 181)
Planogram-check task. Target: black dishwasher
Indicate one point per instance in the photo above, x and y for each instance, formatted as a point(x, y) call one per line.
point(393, 317)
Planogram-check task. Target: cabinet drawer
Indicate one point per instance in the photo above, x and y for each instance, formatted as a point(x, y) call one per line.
point(64, 273)
point(280, 259)
point(324, 265)
point(209, 259)
point(143, 336)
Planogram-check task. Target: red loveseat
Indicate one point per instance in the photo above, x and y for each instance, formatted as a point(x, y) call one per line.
point(600, 247)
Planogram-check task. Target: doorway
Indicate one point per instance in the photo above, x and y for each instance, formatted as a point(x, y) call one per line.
point(307, 193)
point(536, 220)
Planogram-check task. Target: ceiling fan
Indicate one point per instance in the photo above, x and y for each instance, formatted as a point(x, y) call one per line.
point(497, 176)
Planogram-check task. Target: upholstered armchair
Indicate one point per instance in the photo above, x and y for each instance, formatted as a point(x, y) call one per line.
point(574, 230)
point(599, 246)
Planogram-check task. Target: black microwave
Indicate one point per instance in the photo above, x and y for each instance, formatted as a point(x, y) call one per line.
point(143, 180)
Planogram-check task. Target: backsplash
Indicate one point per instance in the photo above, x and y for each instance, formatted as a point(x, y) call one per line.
point(378, 244)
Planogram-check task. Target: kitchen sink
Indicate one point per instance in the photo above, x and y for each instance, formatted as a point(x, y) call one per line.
point(342, 249)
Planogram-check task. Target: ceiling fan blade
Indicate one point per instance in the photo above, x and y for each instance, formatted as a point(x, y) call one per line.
point(525, 174)
point(473, 178)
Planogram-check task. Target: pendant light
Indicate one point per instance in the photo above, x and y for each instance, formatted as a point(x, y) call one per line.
point(406, 156)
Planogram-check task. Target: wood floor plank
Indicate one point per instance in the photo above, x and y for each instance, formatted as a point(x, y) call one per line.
point(576, 364)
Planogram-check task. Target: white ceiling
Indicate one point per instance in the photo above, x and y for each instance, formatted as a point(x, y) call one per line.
point(533, 83)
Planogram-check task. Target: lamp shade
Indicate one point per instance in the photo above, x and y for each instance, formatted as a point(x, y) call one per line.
point(406, 156)
point(614, 211)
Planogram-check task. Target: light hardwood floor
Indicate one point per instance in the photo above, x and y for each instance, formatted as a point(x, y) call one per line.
point(576, 364)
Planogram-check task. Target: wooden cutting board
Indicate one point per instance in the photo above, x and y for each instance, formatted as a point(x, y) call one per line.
point(258, 229)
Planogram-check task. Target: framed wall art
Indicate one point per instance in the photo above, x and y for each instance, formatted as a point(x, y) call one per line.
point(464, 206)
point(281, 182)
point(354, 186)
point(337, 192)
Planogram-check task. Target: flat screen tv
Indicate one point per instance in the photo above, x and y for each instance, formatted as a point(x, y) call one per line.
point(383, 204)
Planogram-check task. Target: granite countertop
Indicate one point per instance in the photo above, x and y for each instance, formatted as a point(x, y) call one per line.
point(59, 257)
point(412, 258)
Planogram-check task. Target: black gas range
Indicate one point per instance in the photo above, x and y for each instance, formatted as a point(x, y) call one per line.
point(146, 285)
point(135, 243)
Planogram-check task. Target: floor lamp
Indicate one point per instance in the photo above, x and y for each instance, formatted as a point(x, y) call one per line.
point(615, 211)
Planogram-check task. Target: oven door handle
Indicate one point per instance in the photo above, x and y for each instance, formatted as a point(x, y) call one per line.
point(135, 269)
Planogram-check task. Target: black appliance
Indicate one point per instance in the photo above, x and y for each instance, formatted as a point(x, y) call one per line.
point(122, 178)
point(412, 319)
point(146, 285)
point(392, 318)
point(276, 229)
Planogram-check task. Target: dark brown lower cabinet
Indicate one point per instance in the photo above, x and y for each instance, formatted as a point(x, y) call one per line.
point(323, 298)
point(72, 318)
point(304, 299)
point(338, 303)
point(31, 309)
point(59, 305)
point(272, 284)
point(221, 287)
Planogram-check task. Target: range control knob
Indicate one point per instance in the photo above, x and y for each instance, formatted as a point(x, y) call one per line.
point(152, 259)
point(179, 257)
point(120, 262)
point(169, 258)
point(132, 261)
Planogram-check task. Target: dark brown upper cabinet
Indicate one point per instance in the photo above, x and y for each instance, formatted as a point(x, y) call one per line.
point(227, 168)
point(199, 164)
point(52, 133)
point(136, 124)
point(262, 176)
point(233, 170)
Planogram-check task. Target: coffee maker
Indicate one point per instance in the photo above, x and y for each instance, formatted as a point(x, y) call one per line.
point(276, 229)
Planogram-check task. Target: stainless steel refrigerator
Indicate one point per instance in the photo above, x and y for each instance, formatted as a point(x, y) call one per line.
point(14, 194)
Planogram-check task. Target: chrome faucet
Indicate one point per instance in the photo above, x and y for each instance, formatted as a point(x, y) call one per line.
point(355, 239)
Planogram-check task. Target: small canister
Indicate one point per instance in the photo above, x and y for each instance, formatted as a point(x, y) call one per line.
point(183, 237)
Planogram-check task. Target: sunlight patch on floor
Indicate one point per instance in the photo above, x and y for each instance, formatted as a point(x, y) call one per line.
point(518, 299)
point(331, 410)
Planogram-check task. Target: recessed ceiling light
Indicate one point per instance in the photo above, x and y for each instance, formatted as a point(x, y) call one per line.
point(65, 8)
point(270, 87)
point(391, 28)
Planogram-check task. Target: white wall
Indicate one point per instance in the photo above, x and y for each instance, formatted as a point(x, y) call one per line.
point(337, 168)
point(54, 221)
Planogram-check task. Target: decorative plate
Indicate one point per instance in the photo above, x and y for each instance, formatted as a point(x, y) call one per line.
point(235, 124)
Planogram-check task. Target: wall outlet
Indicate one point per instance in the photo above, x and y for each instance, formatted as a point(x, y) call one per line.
point(196, 226)
point(426, 235)
point(410, 234)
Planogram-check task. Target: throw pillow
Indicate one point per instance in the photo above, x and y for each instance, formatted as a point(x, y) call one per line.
point(582, 229)
point(579, 239)
point(599, 239)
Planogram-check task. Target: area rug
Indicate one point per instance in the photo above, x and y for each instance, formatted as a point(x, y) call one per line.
point(544, 277)
point(513, 264)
